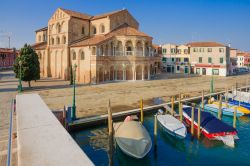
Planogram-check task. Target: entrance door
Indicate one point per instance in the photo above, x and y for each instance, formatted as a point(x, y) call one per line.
point(203, 71)
point(186, 70)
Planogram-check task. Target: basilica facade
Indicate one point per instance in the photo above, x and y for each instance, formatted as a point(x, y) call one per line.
point(107, 47)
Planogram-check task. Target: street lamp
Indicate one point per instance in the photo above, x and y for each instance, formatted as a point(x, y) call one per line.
point(20, 88)
point(74, 94)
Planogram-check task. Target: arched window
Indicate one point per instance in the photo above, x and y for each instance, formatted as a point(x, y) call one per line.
point(57, 40)
point(83, 30)
point(58, 27)
point(73, 55)
point(82, 55)
point(64, 39)
point(39, 38)
point(52, 41)
point(102, 28)
point(93, 51)
point(94, 30)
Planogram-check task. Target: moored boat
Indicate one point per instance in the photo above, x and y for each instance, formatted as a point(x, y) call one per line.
point(226, 109)
point(132, 138)
point(212, 127)
point(242, 104)
point(172, 126)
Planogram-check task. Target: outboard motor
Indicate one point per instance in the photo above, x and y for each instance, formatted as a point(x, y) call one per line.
point(160, 112)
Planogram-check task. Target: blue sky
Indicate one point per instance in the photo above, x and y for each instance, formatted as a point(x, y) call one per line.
point(167, 21)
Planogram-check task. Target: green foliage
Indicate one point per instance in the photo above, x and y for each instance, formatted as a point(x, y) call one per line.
point(30, 66)
point(71, 75)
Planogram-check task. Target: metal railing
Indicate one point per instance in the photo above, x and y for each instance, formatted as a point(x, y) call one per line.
point(9, 154)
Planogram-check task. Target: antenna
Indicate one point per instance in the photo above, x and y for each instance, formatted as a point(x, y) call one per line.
point(6, 35)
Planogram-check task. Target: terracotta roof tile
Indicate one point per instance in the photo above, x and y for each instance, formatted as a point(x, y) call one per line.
point(107, 14)
point(123, 30)
point(42, 29)
point(77, 14)
point(6, 50)
point(39, 46)
point(205, 44)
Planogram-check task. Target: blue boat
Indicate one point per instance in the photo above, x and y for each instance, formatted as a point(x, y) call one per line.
point(224, 110)
point(236, 102)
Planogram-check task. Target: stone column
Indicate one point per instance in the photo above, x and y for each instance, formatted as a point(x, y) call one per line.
point(133, 70)
point(143, 48)
point(149, 73)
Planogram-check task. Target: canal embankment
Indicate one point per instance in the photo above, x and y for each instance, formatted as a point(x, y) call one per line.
point(41, 139)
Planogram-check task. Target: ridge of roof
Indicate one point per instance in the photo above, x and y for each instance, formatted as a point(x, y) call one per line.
point(76, 14)
point(205, 44)
point(123, 29)
point(107, 14)
point(42, 29)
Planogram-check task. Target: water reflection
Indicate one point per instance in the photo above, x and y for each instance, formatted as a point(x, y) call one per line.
point(172, 141)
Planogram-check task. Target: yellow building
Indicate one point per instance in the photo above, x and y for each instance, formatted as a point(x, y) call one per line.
point(105, 47)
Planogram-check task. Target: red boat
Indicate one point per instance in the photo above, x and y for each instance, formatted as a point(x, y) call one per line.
point(211, 127)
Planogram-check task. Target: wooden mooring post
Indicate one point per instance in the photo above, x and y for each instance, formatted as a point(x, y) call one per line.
point(220, 108)
point(180, 108)
point(155, 130)
point(192, 120)
point(172, 105)
point(199, 123)
point(141, 106)
point(110, 134)
point(202, 100)
point(234, 121)
point(226, 97)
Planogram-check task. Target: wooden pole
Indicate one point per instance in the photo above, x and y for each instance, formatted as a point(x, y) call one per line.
point(202, 100)
point(110, 130)
point(64, 117)
point(180, 108)
point(192, 121)
point(181, 112)
point(155, 130)
point(172, 105)
point(226, 97)
point(199, 123)
point(234, 122)
point(220, 108)
point(141, 103)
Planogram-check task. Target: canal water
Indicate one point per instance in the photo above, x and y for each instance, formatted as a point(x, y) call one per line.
point(169, 151)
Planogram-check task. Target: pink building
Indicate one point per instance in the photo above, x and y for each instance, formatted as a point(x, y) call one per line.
point(7, 57)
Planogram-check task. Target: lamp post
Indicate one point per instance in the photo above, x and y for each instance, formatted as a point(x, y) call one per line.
point(20, 88)
point(74, 94)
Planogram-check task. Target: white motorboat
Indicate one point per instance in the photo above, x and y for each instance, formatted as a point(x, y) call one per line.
point(172, 126)
point(132, 138)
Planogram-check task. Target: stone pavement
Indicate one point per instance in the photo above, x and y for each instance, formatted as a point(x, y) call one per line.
point(8, 90)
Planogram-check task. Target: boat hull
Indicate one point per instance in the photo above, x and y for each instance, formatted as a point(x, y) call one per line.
point(173, 132)
point(133, 139)
point(225, 111)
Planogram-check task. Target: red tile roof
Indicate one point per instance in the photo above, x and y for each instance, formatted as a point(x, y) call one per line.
point(107, 14)
point(39, 46)
point(77, 14)
point(123, 30)
point(205, 44)
point(6, 50)
point(42, 29)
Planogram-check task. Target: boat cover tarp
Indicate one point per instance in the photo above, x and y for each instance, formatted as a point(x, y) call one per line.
point(243, 104)
point(240, 96)
point(209, 122)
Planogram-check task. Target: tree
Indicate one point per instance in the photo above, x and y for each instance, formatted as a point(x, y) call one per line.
point(30, 66)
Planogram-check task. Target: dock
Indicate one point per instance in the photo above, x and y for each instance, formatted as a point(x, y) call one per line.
point(41, 138)
point(103, 119)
